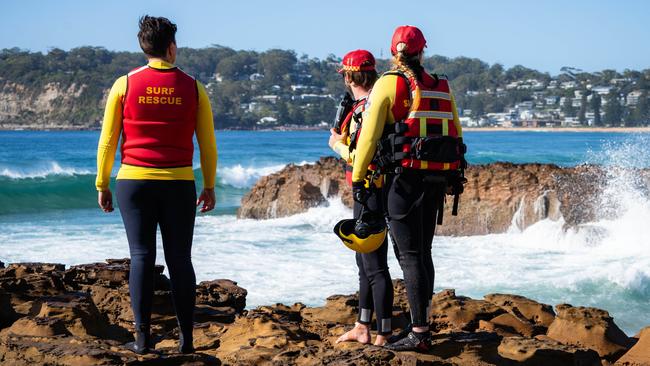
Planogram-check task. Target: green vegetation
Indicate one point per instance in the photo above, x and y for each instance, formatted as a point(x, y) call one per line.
point(264, 89)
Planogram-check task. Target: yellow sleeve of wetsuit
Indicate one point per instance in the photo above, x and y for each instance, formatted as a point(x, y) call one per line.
point(206, 139)
point(454, 112)
point(377, 113)
point(110, 136)
point(343, 150)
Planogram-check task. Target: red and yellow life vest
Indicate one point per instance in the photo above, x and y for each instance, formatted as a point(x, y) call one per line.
point(355, 116)
point(159, 118)
point(430, 116)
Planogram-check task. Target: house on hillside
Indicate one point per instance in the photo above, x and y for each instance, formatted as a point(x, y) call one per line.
point(256, 77)
point(552, 100)
point(569, 85)
point(267, 121)
point(602, 90)
point(633, 98)
point(527, 105)
point(571, 122)
point(576, 102)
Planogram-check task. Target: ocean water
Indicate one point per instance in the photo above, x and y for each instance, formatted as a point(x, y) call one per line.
point(48, 213)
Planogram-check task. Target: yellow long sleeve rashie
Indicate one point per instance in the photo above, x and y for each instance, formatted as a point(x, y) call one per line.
point(112, 128)
point(378, 113)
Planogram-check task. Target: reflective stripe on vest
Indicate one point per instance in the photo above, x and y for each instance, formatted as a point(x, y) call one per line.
point(435, 94)
point(430, 115)
point(159, 118)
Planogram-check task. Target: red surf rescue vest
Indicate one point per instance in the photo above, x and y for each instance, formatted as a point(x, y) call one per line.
point(159, 118)
point(428, 139)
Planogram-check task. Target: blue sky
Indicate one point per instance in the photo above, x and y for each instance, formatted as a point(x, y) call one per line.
point(545, 35)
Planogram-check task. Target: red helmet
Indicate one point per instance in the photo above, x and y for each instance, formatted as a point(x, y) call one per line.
point(359, 60)
point(411, 37)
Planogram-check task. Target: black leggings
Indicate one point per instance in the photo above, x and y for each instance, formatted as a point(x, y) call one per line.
point(375, 285)
point(171, 204)
point(412, 207)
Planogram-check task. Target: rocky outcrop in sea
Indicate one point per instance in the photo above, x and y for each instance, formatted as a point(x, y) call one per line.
point(53, 315)
point(497, 197)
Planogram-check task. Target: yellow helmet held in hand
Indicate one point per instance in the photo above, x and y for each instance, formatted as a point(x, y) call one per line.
point(363, 235)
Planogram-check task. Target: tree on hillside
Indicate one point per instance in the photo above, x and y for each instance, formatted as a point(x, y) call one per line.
point(200, 63)
point(477, 106)
point(567, 108)
point(583, 109)
point(275, 64)
point(282, 112)
point(495, 74)
point(641, 112)
point(519, 72)
point(613, 109)
point(595, 107)
point(608, 75)
point(237, 66)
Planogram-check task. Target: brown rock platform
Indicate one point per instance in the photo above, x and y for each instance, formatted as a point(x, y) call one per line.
point(80, 316)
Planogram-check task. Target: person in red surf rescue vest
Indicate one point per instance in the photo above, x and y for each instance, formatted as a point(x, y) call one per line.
point(156, 110)
point(412, 132)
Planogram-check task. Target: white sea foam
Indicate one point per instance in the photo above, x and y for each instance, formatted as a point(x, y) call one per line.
point(298, 258)
point(49, 169)
point(244, 177)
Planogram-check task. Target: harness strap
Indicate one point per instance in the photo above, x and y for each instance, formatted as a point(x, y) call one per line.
point(400, 140)
point(399, 155)
point(355, 115)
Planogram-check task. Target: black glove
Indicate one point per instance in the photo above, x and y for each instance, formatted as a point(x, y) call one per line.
point(360, 193)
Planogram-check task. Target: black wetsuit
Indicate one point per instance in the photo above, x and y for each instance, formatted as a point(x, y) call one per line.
point(375, 284)
point(170, 204)
point(412, 204)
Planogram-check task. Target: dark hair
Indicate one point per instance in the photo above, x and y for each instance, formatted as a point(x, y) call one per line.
point(365, 79)
point(155, 35)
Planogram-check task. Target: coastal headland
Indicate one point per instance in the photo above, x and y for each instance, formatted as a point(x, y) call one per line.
point(276, 88)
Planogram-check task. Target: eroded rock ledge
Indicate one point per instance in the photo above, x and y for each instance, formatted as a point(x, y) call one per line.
point(497, 197)
point(51, 315)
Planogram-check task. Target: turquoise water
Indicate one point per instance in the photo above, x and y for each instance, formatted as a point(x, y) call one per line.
point(48, 213)
point(56, 170)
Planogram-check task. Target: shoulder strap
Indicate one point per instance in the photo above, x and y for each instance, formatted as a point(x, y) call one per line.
point(400, 74)
point(406, 79)
point(359, 108)
point(345, 125)
point(356, 116)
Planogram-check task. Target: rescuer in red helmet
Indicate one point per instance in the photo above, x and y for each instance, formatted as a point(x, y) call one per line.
point(157, 109)
point(375, 285)
point(411, 131)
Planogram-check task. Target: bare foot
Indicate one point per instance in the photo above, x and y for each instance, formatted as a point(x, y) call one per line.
point(360, 333)
point(381, 340)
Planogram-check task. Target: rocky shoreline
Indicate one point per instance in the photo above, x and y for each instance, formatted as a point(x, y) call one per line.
point(53, 315)
point(498, 196)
